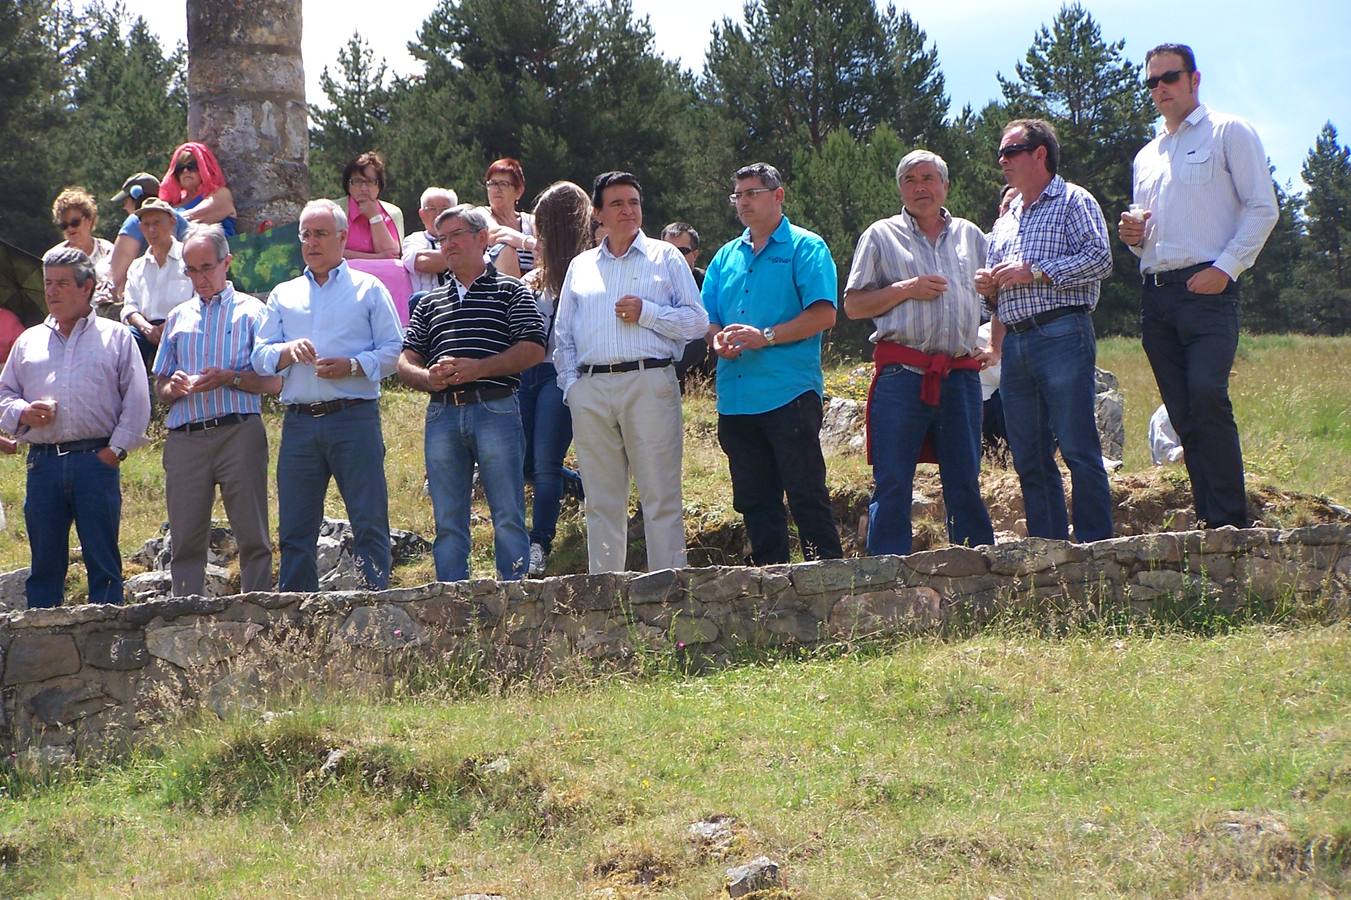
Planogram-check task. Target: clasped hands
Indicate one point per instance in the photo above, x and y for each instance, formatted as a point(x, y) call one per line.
point(302, 351)
point(452, 371)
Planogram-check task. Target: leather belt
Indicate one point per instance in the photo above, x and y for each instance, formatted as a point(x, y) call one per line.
point(633, 366)
point(1175, 276)
point(85, 446)
point(469, 396)
point(208, 424)
point(325, 407)
point(1042, 318)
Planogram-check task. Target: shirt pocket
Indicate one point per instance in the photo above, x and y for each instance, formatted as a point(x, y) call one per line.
point(1198, 166)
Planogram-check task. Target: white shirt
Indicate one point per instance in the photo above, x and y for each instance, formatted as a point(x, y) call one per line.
point(414, 244)
point(1209, 193)
point(153, 290)
point(587, 331)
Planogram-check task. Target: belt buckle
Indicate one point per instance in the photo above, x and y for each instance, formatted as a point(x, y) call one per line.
point(315, 410)
point(209, 424)
point(61, 452)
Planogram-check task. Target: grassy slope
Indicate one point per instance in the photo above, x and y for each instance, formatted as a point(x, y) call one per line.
point(1289, 394)
point(1006, 764)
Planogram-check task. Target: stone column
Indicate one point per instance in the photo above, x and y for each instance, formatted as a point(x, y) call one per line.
point(246, 101)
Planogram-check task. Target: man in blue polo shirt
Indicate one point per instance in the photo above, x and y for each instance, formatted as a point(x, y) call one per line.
point(769, 294)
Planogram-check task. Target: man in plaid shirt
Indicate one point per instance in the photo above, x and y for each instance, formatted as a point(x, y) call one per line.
point(1048, 255)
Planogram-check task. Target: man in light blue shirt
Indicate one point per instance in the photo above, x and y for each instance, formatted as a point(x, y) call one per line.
point(769, 295)
point(333, 333)
point(1205, 206)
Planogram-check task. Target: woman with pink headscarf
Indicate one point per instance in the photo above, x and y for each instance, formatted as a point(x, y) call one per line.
point(195, 184)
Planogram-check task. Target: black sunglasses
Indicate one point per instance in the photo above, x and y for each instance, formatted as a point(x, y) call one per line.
point(1014, 150)
point(185, 167)
point(72, 223)
point(1169, 77)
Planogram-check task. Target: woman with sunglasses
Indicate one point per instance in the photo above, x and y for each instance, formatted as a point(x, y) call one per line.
point(513, 246)
point(195, 184)
point(76, 213)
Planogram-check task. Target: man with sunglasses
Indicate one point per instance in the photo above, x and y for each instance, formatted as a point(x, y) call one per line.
point(1048, 256)
point(770, 292)
point(684, 238)
point(1204, 206)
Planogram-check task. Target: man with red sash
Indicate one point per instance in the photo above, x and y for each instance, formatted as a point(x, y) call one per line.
point(914, 275)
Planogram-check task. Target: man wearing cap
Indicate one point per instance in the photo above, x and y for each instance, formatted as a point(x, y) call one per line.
point(130, 242)
point(156, 282)
point(625, 313)
point(333, 333)
point(73, 389)
point(216, 436)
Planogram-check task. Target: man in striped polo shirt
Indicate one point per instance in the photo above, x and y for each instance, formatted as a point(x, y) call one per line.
point(216, 435)
point(627, 309)
point(466, 345)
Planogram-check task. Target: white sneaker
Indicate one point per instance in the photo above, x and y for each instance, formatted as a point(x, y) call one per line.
point(538, 560)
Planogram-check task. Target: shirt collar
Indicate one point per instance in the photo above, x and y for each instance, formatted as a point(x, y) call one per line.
point(639, 243)
point(1055, 188)
point(338, 271)
point(1193, 119)
point(489, 272)
point(783, 232)
point(226, 294)
point(175, 251)
point(51, 322)
point(911, 223)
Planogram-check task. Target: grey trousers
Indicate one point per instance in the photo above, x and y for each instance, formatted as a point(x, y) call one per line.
point(630, 422)
point(234, 457)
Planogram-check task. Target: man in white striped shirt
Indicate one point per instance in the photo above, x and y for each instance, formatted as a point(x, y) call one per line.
point(626, 311)
point(1205, 205)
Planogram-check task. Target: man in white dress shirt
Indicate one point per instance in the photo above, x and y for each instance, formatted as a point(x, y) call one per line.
point(626, 311)
point(1205, 206)
point(156, 282)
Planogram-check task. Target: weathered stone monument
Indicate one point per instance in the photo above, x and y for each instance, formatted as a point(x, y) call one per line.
point(246, 100)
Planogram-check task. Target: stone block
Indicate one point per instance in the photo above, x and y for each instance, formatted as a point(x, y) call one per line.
point(63, 616)
point(834, 575)
point(201, 644)
point(1327, 533)
point(953, 562)
point(588, 592)
point(760, 874)
point(884, 612)
point(37, 657)
point(13, 590)
point(115, 650)
point(724, 584)
point(236, 692)
point(795, 625)
point(1033, 555)
point(662, 586)
point(692, 630)
point(380, 627)
point(71, 699)
point(172, 608)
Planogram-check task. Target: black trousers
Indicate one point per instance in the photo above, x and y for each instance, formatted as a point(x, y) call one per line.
point(771, 454)
point(1190, 340)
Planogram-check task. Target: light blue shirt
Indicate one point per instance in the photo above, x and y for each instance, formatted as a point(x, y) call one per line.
point(588, 333)
point(350, 316)
point(202, 333)
point(792, 271)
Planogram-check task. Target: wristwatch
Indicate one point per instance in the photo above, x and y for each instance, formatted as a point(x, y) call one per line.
point(237, 380)
point(769, 335)
point(1039, 275)
point(354, 368)
point(377, 218)
point(119, 453)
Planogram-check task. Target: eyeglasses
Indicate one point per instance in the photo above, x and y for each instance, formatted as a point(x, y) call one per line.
point(686, 250)
point(749, 192)
point(317, 235)
point(1014, 150)
point(500, 183)
point(1169, 77)
point(359, 181)
point(71, 224)
point(185, 167)
point(194, 271)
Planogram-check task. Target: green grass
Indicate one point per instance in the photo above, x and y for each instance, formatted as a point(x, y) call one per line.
point(1005, 764)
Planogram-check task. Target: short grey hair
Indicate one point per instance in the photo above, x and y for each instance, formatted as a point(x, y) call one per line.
point(70, 258)
point(470, 215)
point(213, 234)
point(768, 175)
point(431, 192)
point(919, 157)
point(339, 214)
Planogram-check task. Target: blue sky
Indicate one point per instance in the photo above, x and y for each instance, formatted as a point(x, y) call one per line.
point(1284, 66)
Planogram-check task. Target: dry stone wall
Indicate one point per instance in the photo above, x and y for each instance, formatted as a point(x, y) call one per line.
point(83, 680)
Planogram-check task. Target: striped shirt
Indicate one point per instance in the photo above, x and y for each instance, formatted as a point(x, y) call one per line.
point(525, 257)
point(586, 329)
point(1209, 194)
point(349, 316)
point(895, 249)
point(483, 320)
point(1064, 233)
point(95, 376)
point(216, 333)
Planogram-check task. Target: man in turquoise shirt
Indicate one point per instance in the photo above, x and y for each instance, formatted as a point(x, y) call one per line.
point(769, 295)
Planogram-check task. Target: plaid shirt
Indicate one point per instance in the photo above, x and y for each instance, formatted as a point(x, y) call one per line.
point(1064, 233)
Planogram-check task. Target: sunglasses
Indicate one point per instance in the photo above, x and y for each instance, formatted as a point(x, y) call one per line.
point(1169, 77)
point(185, 167)
point(1014, 150)
point(685, 250)
point(72, 223)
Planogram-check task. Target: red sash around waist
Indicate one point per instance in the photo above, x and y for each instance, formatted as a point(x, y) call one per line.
point(936, 367)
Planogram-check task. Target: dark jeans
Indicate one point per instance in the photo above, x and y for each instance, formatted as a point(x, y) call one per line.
point(1047, 383)
point(771, 454)
point(77, 487)
point(899, 422)
point(1190, 340)
point(346, 446)
point(548, 432)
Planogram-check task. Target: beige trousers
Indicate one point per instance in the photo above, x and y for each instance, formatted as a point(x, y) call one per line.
point(622, 422)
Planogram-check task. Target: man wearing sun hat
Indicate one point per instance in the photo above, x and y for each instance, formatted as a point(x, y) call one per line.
point(156, 282)
point(130, 242)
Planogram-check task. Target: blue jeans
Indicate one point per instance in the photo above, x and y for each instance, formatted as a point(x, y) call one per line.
point(82, 488)
point(347, 446)
point(490, 434)
point(548, 431)
point(1047, 384)
point(899, 422)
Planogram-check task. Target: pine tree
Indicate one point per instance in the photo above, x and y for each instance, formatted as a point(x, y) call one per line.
point(1325, 268)
point(355, 119)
